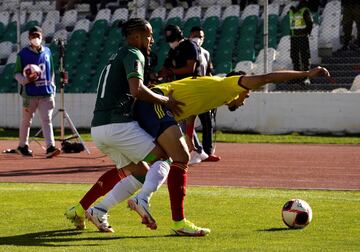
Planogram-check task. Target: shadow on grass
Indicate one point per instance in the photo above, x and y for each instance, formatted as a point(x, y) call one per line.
point(276, 229)
point(56, 238)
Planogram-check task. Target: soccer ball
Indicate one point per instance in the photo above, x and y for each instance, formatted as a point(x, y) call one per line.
point(296, 213)
point(32, 71)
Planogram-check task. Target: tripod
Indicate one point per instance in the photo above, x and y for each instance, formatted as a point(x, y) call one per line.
point(61, 111)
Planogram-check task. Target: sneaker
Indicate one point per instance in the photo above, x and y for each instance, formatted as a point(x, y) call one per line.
point(142, 208)
point(76, 214)
point(212, 158)
point(25, 151)
point(197, 157)
point(52, 151)
point(187, 228)
point(99, 217)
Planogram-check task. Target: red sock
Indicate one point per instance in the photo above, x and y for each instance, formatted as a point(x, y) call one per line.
point(104, 184)
point(177, 189)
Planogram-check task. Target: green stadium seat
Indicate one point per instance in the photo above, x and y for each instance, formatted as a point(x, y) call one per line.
point(7, 82)
point(285, 26)
point(246, 54)
point(11, 33)
point(77, 40)
point(30, 24)
point(210, 26)
point(162, 54)
point(2, 31)
point(175, 21)
point(158, 26)
point(189, 24)
point(223, 67)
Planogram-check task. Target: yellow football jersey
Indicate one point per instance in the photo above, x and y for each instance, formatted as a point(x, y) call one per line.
point(203, 93)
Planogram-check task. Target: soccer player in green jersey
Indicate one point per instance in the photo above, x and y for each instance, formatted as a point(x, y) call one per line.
point(113, 128)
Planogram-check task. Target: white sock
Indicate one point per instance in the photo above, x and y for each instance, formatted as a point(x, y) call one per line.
point(155, 177)
point(120, 192)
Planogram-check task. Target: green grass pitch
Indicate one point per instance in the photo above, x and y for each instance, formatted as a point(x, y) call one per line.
point(240, 220)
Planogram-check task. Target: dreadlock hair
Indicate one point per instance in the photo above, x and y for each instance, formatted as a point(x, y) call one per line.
point(133, 24)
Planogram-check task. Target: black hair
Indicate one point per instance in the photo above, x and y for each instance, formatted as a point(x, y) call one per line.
point(173, 33)
point(196, 29)
point(133, 24)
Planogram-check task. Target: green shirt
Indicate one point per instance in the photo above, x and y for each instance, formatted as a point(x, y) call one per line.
point(114, 100)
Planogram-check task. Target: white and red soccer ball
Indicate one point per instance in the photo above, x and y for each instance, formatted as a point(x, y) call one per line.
point(32, 71)
point(296, 213)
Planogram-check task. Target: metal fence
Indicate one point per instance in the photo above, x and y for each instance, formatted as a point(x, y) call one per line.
point(238, 34)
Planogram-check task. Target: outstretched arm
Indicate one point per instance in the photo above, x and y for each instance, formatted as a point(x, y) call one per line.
point(255, 81)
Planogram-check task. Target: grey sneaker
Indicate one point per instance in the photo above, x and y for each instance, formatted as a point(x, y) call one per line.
point(142, 208)
point(99, 217)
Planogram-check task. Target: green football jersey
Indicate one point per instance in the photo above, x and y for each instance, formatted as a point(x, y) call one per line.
point(114, 100)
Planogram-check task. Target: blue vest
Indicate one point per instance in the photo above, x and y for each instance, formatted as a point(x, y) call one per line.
point(42, 86)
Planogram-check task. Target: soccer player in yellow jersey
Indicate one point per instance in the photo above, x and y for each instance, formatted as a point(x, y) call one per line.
point(199, 95)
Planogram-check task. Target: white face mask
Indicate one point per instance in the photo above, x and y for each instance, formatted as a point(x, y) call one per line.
point(35, 42)
point(174, 44)
point(197, 41)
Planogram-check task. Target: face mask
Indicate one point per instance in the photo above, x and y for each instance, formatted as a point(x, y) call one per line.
point(35, 42)
point(174, 44)
point(197, 41)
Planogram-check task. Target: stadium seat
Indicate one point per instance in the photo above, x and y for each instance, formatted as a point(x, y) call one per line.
point(82, 24)
point(273, 9)
point(120, 14)
point(246, 42)
point(12, 58)
point(177, 12)
point(286, 9)
point(61, 34)
point(210, 27)
point(7, 82)
point(53, 15)
point(283, 60)
point(207, 3)
point(285, 26)
point(30, 24)
point(6, 48)
point(272, 32)
point(314, 45)
point(103, 14)
point(159, 12)
point(224, 3)
point(250, 10)
point(189, 24)
point(48, 28)
point(223, 67)
point(231, 11)
point(175, 21)
point(330, 31)
point(246, 66)
point(36, 16)
point(162, 54)
point(193, 11)
point(4, 17)
point(70, 18)
point(10, 33)
point(214, 10)
point(138, 13)
point(158, 26)
point(24, 39)
point(259, 63)
point(14, 18)
point(247, 53)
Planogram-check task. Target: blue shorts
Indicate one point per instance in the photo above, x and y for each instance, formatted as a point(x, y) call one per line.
point(153, 118)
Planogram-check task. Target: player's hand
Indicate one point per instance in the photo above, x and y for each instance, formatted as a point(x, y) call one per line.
point(174, 105)
point(318, 71)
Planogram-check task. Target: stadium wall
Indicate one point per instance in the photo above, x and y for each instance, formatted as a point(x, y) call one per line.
point(267, 113)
